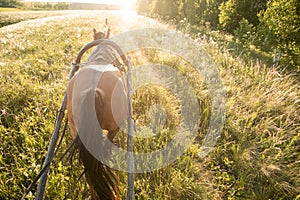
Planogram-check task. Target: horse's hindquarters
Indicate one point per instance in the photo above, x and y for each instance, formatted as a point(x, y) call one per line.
point(97, 97)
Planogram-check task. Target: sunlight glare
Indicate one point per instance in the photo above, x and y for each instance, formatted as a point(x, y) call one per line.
point(128, 5)
point(128, 13)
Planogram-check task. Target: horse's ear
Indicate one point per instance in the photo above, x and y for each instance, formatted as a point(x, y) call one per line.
point(95, 31)
point(108, 33)
point(106, 22)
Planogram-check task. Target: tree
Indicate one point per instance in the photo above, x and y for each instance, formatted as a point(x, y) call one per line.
point(233, 11)
point(189, 11)
point(165, 8)
point(229, 16)
point(10, 3)
point(61, 6)
point(143, 6)
point(211, 11)
point(282, 20)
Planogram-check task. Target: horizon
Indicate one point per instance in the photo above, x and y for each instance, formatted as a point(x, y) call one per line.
point(114, 2)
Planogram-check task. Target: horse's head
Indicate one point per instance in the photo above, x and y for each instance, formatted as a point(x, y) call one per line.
point(102, 34)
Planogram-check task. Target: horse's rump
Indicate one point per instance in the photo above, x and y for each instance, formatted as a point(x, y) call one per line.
point(106, 89)
point(97, 99)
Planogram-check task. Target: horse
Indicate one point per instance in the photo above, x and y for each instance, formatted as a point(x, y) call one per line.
point(111, 106)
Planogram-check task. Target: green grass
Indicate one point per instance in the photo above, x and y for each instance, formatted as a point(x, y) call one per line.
point(257, 156)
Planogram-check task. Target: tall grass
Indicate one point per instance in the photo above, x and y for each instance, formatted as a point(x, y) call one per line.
point(257, 156)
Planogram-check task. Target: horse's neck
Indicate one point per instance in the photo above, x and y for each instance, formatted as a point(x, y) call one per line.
point(102, 55)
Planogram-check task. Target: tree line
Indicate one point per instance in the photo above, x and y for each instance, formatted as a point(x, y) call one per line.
point(34, 5)
point(49, 6)
point(10, 3)
point(271, 25)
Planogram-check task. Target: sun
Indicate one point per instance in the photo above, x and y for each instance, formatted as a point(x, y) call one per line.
point(127, 4)
point(128, 12)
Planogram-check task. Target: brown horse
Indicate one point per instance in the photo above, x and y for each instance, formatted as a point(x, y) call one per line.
point(100, 77)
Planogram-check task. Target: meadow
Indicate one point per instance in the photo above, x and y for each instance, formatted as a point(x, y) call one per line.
point(13, 16)
point(256, 157)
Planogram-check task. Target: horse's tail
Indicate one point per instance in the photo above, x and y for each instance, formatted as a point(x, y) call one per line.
point(102, 181)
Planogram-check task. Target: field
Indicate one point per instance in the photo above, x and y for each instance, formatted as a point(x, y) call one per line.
point(8, 17)
point(256, 157)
